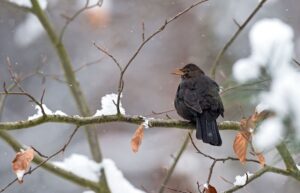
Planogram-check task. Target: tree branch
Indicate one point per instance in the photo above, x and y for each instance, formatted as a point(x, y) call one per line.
point(50, 167)
point(286, 157)
point(260, 173)
point(70, 77)
point(82, 121)
point(76, 14)
point(176, 159)
point(232, 39)
point(38, 160)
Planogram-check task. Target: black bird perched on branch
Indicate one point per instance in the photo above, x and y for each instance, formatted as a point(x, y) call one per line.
point(198, 100)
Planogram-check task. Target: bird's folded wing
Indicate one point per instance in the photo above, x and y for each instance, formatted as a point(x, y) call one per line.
point(191, 100)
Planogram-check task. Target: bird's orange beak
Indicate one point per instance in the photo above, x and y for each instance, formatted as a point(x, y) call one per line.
point(178, 71)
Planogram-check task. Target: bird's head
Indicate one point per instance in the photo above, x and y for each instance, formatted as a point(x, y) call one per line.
point(188, 71)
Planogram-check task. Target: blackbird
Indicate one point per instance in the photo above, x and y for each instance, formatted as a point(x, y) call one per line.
point(198, 100)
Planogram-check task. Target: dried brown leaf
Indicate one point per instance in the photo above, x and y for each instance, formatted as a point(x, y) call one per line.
point(21, 163)
point(240, 145)
point(137, 138)
point(210, 189)
point(261, 159)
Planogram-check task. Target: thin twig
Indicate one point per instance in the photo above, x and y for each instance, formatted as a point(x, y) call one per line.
point(143, 31)
point(176, 190)
point(131, 59)
point(243, 85)
point(159, 113)
point(258, 174)
point(215, 160)
point(176, 159)
point(109, 55)
point(296, 61)
point(72, 18)
point(232, 39)
point(46, 160)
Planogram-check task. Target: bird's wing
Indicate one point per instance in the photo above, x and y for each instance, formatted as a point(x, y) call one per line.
point(191, 98)
point(208, 94)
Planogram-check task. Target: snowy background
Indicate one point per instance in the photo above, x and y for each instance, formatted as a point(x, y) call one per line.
point(195, 37)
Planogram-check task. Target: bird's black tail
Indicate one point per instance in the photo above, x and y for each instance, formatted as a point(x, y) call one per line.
point(207, 130)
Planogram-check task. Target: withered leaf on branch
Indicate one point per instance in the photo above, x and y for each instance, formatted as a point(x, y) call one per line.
point(137, 138)
point(21, 163)
point(210, 189)
point(240, 145)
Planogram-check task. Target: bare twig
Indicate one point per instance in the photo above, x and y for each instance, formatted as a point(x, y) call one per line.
point(109, 55)
point(58, 171)
point(23, 92)
point(232, 39)
point(88, 64)
point(243, 85)
point(159, 113)
point(46, 160)
point(258, 174)
point(296, 61)
point(144, 42)
point(176, 159)
point(72, 18)
point(215, 160)
point(176, 190)
point(143, 31)
point(160, 29)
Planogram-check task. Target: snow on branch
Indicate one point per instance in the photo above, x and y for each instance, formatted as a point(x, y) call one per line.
point(242, 180)
point(109, 107)
point(272, 46)
point(47, 112)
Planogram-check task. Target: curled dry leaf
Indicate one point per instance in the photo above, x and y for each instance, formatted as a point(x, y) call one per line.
point(240, 145)
point(21, 163)
point(210, 189)
point(137, 138)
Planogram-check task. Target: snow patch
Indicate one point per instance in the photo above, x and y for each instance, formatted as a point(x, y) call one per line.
point(20, 174)
point(108, 104)
point(242, 180)
point(47, 112)
point(261, 107)
point(89, 169)
point(81, 166)
point(116, 181)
